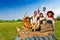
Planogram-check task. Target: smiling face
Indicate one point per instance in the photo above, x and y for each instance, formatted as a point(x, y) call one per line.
point(35, 13)
point(41, 14)
point(49, 14)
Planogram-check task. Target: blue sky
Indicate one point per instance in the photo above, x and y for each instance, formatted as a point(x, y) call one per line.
point(15, 9)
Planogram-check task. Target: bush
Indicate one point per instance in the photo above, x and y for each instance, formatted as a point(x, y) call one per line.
point(6, 21)
point(58, 18)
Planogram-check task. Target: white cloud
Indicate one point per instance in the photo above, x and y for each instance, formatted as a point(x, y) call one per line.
point(57, 12)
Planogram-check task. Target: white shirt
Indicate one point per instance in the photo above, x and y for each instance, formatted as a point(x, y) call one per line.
point(34, 20)
point(41, 18)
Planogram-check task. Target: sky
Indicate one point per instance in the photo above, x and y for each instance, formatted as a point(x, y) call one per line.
point(15, 9)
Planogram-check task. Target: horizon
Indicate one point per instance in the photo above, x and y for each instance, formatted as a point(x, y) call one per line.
point(15, 9)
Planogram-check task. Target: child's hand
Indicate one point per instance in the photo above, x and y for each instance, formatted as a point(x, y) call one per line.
point(17, 29)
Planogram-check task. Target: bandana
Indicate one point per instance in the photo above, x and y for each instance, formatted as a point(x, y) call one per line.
point(51, 17)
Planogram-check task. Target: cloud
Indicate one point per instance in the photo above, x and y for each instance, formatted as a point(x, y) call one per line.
point(57, 12)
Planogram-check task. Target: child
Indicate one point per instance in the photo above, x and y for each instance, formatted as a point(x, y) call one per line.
point(34, 17)
point(50, 18)
point(40, 21)
point(24, 19)
point(27, 24)
point(34, 21)
point(41, 18)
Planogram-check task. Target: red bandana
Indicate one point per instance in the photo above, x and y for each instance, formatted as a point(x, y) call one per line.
point(51, 17)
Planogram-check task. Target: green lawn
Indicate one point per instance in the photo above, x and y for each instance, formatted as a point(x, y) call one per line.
point(57, 30)
point(8, 30)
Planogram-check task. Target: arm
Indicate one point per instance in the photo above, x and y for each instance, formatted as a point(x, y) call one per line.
point(45, 15)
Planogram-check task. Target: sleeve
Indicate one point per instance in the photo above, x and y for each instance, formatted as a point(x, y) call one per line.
point(45, 15)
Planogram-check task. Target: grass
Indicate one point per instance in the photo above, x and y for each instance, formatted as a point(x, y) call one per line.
point(57, 30)
point(8, 30)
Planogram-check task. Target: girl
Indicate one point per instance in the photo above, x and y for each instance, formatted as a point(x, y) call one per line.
point(41, 18)
point(40, 21)
point(50, 18)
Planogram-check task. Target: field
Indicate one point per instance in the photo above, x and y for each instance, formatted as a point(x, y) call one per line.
point(8, 30)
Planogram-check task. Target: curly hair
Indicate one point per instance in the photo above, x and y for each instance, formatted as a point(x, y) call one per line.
point(50, 12)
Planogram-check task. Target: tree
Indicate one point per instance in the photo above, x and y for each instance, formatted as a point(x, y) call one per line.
point(18, 20)
point(58, 18)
